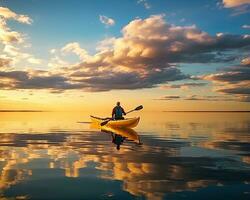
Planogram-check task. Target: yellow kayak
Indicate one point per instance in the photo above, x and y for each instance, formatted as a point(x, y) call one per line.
point(128, 123)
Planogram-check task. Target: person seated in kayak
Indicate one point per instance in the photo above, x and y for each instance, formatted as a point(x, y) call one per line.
point(118, 112)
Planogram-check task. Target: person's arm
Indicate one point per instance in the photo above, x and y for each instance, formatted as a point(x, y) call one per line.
point(123, 111)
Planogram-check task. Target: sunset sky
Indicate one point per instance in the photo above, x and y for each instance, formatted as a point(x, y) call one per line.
point(87, 54)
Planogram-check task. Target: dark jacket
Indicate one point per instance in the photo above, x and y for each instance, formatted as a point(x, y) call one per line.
point(118, 112)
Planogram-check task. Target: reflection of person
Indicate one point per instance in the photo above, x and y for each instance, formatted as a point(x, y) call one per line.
point(118, 140)
point(118, 112)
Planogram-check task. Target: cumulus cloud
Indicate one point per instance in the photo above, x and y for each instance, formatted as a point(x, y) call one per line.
point(7, 35)
point(11, 40)
point(6, 13)
point(34, 60)
point(17, 55)
point(56, 62)
point(153, 38)
point(106, 20)
point(75, 48)
point(146, 55)
point(235, 3)
point(106, 44)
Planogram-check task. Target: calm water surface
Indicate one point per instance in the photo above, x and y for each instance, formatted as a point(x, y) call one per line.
point(182, 156)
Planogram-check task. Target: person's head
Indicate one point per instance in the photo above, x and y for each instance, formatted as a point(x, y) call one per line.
point(118, 103)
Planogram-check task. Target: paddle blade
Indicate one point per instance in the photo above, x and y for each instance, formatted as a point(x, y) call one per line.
point(139, 107)
point(105, 122)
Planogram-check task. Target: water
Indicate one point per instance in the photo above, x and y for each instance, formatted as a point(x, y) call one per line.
point(182, 156)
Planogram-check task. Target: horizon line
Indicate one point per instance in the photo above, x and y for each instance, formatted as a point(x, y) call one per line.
point(23, 111)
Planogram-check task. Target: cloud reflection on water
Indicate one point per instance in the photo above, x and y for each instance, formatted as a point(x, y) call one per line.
point(163, 164)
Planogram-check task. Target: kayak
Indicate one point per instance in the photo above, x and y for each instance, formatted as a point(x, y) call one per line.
point(129, 122)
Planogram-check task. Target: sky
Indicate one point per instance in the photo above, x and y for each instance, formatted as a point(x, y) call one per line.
point(86, 55)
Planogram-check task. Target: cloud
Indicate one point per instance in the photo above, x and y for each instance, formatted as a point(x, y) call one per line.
point(232, 75)
point(102, 81)
point(169, 97)
point(132, 80)
point(6, 13)
point(246, 61)
point(235, 3)
point(106, 44)
point(146, 55)
point(241, 10)
point(56, 62)
point(37, 80)
point(75, 48)
point(245, 26)
point(33, 60)
point(245, 98)
point(239, 6)
point(153, 38)
point(144, 3)
point(5, 62)
point(209, 98)
point(183, 85)
point(11, 41)
point(240, 90)
point(7, 35)
point(17, 55)
point(106, 20)
point(233, 80)
point(199, 98)
point(229, 76)
point(52, 51)
point(237, 89)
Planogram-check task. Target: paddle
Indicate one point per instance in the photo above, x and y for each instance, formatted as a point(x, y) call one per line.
point(137, 108)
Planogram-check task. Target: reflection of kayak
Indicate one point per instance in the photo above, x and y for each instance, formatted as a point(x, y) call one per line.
point(128, 133)
point(129, 122)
